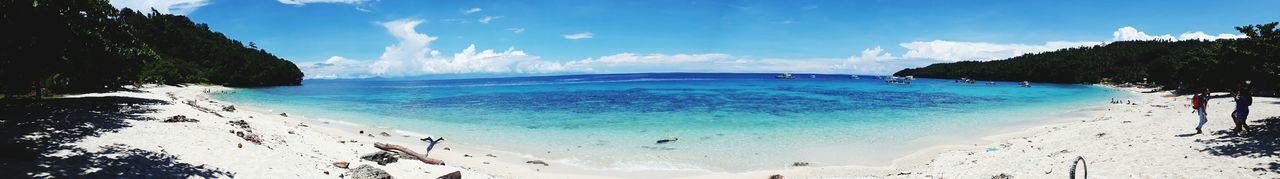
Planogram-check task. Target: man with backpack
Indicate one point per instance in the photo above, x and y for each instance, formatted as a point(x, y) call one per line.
point(1200, 103)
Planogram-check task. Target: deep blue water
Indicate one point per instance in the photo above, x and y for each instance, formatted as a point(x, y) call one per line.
point(725, 122)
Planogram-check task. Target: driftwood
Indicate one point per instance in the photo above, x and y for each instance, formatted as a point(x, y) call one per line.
point(403, 150)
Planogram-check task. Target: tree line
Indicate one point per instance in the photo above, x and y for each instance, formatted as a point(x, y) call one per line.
point(69, 46)
point(1220, 64)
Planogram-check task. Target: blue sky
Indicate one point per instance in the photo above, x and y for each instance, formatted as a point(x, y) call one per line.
point(367, 38)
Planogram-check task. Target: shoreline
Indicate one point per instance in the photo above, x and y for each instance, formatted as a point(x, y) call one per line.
point(919, 163)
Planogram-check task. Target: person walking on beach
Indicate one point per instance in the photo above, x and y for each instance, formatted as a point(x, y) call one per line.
point(1200, 102)
point(1243, 100)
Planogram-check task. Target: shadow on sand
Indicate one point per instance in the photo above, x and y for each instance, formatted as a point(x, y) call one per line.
point(1263, 141)
point(35, 130)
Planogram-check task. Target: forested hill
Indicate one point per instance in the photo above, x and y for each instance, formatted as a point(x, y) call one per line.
point(1220, 64)
point(67, 46)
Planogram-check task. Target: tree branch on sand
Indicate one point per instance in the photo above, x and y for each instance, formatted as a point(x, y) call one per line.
point(402, 149)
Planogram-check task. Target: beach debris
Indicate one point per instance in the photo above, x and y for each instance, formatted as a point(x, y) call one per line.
point(663, 141)
point(1002, 176)
point(369, 172)
point(1100, 134)
point(193, 104)
point(341, 164)
point(229, 108)
point(432, 144)
point(1063, 151)
point(490, 155)
point(776, 176)
point(239, 123)
point(406, 151)
point(361, 132)
point(250, 136)
point(800, 164)
point(370, 135)
point(466, 155)
point(382, 157)
point(284, 114)
point(180, 118)
point(454, 175)
point(404, 156)
point(239, 145)
point(537, 162)
point(385, 134)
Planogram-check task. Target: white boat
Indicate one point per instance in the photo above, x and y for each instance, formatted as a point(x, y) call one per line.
point(785, 76)
point(813, 76)
point(896, 80)
point(854, 77)
point(1026, 84)
point(911, 77)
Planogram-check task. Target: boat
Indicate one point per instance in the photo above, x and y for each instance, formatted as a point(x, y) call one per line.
point(1026, 84)
point(813, 76)
point(911, 77)
point(854, 77)
point(785, 76)
point(896, 80)
point(965, 80)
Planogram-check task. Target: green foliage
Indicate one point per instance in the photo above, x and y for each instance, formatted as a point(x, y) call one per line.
point(87, 45)
point(1221, 64)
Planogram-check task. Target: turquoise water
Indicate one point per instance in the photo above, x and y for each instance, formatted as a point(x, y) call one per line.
point(724, 122)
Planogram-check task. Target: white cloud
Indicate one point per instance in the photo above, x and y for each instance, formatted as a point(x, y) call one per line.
point(584, 35)
point(407, 55)
point(412, 55)
point(303, 2)
point(1202, 36)
point(872, 55)
point(472, 10)
point(980, 51)
point(179, 7)
point(516, 30)
point(1128, 33)
point(486, 19)
point(336, 67)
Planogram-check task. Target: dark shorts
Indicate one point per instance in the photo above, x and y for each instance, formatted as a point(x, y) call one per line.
point(1241, 115)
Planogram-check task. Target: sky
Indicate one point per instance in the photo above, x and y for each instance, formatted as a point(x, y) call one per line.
point(400, 38)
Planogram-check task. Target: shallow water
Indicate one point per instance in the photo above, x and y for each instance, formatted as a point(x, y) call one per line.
point(724, 122)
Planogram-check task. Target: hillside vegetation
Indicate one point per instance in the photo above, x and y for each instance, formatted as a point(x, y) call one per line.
point(1220, 64)
point(66, 46)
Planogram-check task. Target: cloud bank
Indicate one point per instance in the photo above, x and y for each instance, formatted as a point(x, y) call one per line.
point(1129, 33)
point(412, 55)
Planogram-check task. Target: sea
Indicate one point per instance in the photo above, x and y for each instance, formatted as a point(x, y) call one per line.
point(722, 122)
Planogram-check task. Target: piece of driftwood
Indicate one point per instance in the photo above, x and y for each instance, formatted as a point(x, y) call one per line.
point(403, 150)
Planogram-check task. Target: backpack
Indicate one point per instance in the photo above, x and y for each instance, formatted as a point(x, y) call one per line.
point(1197, 101)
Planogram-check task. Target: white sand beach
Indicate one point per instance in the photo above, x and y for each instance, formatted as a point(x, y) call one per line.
point(1149, 139)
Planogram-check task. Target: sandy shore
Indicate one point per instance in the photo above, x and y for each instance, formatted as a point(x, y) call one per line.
point(1149, 139)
